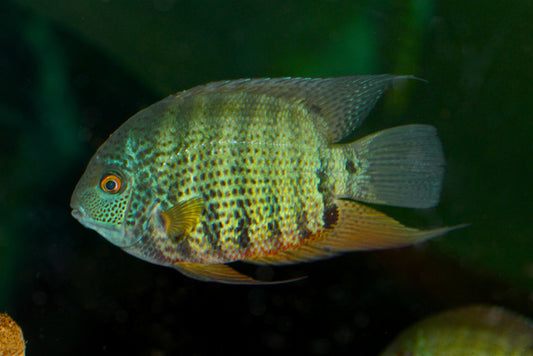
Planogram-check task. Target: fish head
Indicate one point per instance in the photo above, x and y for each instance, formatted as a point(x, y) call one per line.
point(102, 198)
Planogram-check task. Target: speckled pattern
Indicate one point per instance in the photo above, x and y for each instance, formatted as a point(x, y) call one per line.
point(258, 177)
point(260, 154)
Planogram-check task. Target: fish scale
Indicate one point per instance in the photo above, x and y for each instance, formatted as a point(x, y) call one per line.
point(249, 170)
point(242, 189)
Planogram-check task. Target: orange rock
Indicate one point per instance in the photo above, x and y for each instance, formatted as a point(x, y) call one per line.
point(11, 339)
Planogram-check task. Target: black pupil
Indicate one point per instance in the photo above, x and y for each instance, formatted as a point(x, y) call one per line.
point(110, 185)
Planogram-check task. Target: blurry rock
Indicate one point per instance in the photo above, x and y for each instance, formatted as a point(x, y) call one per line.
point(11, 339)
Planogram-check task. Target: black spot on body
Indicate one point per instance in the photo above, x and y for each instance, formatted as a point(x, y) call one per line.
point(243, 239)
point(315, 109)
point(212, 211)
point(331, 216)
point(303, 231)
point(323, 180)
point(350, 166)
point(275, 232)
point(240, 224)
point(211, 233)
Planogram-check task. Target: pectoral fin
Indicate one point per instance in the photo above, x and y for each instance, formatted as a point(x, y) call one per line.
point(220, 273)
point(182, 217)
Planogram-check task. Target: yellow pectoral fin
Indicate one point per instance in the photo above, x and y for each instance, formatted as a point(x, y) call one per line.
point(183, 217)
point(220, 273)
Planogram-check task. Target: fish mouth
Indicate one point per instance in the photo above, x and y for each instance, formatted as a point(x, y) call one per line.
point(114, 234)
point(79, 213)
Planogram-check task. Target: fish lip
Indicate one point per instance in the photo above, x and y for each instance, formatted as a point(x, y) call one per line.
point(78, 213)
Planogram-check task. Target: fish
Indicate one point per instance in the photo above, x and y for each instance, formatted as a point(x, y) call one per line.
point(258, 171)
point(11, 339)
point(480, 330)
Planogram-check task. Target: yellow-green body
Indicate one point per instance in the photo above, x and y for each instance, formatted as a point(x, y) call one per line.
point(258, 178)
point(250, 170)
point(469, 331)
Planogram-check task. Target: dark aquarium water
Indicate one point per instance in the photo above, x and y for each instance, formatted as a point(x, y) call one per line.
point(72, 71)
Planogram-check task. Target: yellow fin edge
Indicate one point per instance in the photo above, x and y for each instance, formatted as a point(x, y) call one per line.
point(221, 273)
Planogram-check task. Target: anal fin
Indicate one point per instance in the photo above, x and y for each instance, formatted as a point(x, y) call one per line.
point(304, 253)
point(360, 227)
point(220, 273)
point(352, 226)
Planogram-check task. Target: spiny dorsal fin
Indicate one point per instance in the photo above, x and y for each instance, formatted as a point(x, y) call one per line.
point(183, 217)
point(220, 273)
point(340, 104)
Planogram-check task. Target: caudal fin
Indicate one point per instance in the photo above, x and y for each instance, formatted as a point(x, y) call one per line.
point(402, 166)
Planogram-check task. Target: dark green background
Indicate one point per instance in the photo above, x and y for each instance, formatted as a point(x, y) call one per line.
point(72, 71)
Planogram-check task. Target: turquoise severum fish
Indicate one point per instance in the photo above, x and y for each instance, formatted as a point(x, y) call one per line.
point(251, 170)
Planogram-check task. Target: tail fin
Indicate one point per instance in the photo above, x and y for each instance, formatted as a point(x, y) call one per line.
point(402, 166)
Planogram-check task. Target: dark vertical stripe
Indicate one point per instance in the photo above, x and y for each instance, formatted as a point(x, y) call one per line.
point(243, 224)
point(331, 216)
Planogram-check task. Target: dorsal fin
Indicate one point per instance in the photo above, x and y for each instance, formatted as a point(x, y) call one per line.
point(341, 103)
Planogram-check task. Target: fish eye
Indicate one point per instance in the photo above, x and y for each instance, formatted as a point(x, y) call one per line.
point(111, 183)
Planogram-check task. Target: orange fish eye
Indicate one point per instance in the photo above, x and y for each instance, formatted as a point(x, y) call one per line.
point(111, 183)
